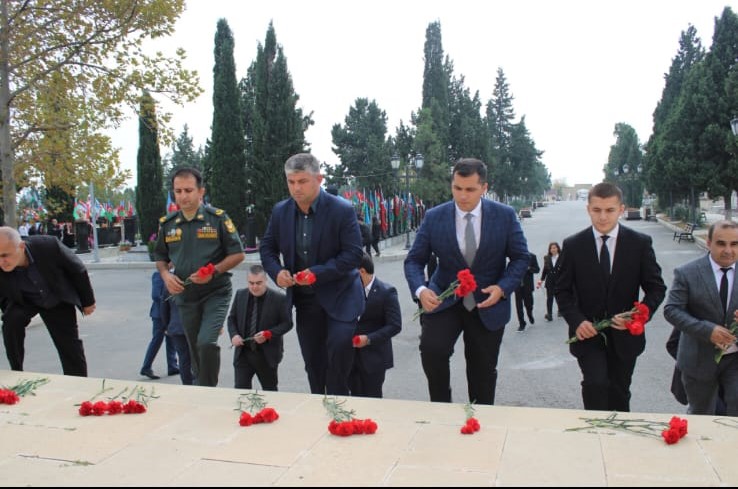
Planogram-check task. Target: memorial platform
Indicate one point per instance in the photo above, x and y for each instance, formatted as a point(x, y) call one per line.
point(190, 436)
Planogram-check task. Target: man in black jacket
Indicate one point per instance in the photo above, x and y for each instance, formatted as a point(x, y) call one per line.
point(256, 311)
point(41, 276)
point(603, 270)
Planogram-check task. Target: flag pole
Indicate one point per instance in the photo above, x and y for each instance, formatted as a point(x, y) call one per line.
point(93, 218)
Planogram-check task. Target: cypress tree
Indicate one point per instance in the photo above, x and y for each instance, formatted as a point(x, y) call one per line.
point(227, 157)
point(275, 126)
point(150, 199)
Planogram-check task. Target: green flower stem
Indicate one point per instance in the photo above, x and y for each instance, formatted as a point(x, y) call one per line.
point(719, 355)
point(336, 410)
point(252, 402)
point(640, 427)
point(25, 387)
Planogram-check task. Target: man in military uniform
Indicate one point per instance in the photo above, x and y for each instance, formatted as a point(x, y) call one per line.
point(191, 238)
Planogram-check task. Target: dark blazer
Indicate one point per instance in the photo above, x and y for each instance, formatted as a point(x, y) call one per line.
point(274, 316)
point(336, 251)
point(694, 308)
point(65, 274)
point(583, 293)
point(157, 291)
point(502, 240)
point(549, 273)
point(527, 282)
point(382, 319)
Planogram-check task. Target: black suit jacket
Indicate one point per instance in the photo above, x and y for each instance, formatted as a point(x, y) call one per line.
point(583, 293)
point(526, 283)
point(382, 319)
point(65, 274)
point(550, 271)
point(275, 316)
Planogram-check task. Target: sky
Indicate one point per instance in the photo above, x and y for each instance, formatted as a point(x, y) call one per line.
point(575, 68)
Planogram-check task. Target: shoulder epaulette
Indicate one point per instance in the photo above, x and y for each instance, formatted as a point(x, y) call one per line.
point(168, 217)
point(214, 210)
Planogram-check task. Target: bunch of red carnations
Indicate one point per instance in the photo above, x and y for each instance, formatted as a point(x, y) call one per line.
point(343, 422)
point(472, 424)
point(677, 430)
point(132, 400)
point(254, 403)
point(464, 285)
point(636, 321)
point(12, 395)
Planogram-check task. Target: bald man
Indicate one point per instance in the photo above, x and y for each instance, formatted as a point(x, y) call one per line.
point(39, 275)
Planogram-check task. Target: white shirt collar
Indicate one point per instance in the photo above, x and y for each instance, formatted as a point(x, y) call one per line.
point(612, 234)
point(476, 212)
point(716, 267)
point(369, 286)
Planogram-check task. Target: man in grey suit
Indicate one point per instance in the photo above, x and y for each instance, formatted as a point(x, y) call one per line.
point(702, 302)
point(255, 311)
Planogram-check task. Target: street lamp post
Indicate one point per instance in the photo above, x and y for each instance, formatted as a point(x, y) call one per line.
point(417, 161)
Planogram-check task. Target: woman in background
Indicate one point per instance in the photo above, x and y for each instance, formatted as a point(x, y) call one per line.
point(548, 276)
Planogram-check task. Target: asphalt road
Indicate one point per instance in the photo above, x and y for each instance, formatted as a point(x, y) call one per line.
point(535, 367)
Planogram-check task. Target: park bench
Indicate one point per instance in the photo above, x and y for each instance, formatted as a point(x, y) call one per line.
point(686, 233)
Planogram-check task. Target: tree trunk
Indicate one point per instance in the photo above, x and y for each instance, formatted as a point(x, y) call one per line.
point(7, 158)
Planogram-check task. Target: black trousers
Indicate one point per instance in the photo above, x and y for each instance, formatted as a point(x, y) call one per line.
point(252, 362)
point(439, 333)
point(366, 384)
point(60, 321)
point(523, 296)
point(606, 376)
point(550, 301)
point(326, 346)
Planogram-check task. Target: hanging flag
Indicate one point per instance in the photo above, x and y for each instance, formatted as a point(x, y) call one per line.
point(171, 205)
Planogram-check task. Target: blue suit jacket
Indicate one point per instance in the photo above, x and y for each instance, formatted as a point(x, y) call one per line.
point(382, 319)
point(502, 240)
point(335, 253)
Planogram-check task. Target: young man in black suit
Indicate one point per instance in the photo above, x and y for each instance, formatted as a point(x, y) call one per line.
point(256, 310)
point(382, 319)
point(603, 269)
point(42, 276)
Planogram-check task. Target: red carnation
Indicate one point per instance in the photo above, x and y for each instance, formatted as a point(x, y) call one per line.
point(356, 340)
point(206, 271)
point(305, 276)
point(266, 334)
point(246, 419)
point(678, 424)
point(671, 436)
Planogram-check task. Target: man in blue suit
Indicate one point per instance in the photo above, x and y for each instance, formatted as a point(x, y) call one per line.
point(486, 237)
point(382, 319)
point(316, 232)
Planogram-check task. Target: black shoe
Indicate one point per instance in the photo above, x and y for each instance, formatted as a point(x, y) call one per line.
point(532, 321)
point(521, 328)
point(150, 374)
point(548, 317)
point(173, 371)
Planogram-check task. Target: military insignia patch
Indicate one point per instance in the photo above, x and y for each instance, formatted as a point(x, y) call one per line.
point(230, 227)
point(218, 212)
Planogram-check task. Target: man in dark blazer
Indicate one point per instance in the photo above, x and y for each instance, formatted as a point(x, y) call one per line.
point(486, 237)
point(524, 293)
point(382, 319)
point(42, 276)
point(316, 232)
point(589, 290)
point(702, 304)
point(255, 310)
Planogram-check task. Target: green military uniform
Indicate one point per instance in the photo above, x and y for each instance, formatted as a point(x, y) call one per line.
point(208, 238)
